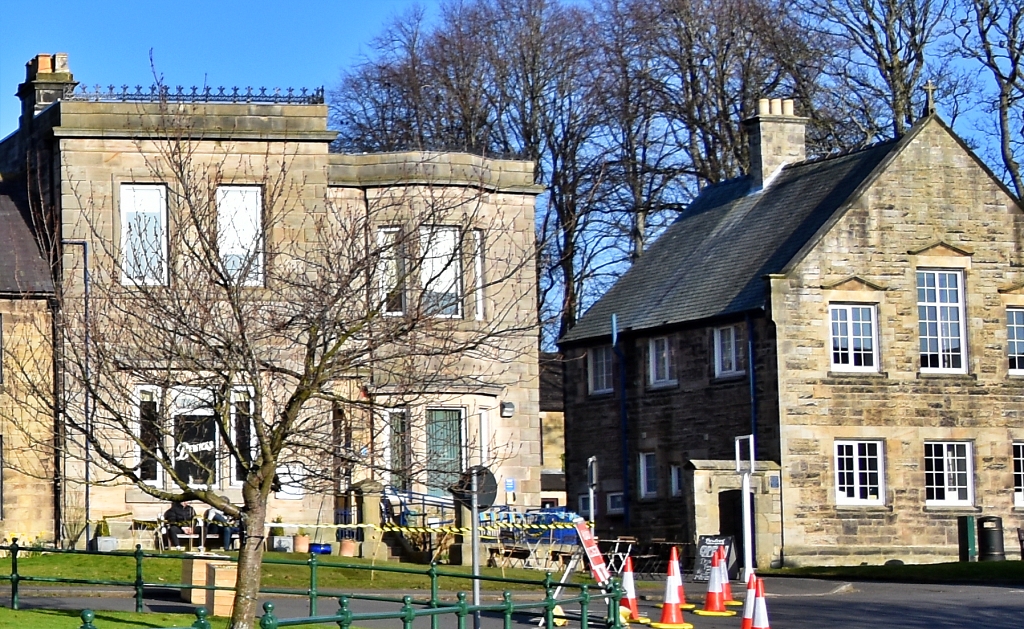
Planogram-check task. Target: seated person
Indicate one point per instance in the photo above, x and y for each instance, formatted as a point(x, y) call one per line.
point(178, 520)
point(219, 524)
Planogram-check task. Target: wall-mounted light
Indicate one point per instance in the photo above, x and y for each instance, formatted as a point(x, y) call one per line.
point(508, 409)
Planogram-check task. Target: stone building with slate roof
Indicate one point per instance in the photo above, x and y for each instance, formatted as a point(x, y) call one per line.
point(99, 160)
point(862, 315)
point(26, 302)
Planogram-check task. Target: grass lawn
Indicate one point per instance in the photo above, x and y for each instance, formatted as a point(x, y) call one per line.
point(1008, 572)
point(118, 568)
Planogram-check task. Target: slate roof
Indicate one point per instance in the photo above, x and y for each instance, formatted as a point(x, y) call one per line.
point(712, 261)
point(23, 271)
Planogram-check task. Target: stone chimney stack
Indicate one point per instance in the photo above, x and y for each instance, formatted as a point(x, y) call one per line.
point(776, 137)
point(46, 76)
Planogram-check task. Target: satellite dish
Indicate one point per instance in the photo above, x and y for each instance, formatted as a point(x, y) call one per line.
point(486, 487)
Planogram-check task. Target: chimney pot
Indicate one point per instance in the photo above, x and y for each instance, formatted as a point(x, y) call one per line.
point(776, 106)
point(44, 64)
point(787, 107)
point(762, 107)
point(60, 62)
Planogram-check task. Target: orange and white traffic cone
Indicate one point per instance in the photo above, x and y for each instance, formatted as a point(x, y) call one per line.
point(713, 605)
point(723, 565)
point(748, 603)
point(760, 608)
point(674, 558)
point(671, 615)
point(628, 608)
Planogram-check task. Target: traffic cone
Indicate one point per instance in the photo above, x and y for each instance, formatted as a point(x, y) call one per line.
point(748, 602)
point(628, 607)
point(760, 608)
point(713, 601)
point(671, 615)
point(674, 558)
point(723, 564)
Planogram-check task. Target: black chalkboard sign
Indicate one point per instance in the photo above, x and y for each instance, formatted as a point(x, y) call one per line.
point(706, 546)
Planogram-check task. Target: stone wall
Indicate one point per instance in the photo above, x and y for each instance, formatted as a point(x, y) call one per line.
point(935, 206)
point(27, 421)
point(697, 418)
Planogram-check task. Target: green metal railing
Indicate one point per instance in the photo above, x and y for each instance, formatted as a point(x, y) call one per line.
point(433, 607)
point(461, 610)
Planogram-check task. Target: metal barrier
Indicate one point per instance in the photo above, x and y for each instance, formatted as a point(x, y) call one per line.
point(434, 607)
point(345, 617)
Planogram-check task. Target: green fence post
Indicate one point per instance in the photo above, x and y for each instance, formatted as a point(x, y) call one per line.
point(344, 614)
point(138, 578)
point(408, 613)
point(201, 621)
point(584, 606)
point(14, 573)
point(432, 573)
point(613, 605)
point(506, 597)
point(268, 621)
point(460, 610)
point(549, 606)
point(312, 584)
point(87, 617)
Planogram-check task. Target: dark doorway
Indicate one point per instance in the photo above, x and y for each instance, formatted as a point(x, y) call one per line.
point(730, 522)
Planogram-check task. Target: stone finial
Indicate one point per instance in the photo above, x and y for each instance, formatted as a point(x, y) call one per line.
point(929, 89)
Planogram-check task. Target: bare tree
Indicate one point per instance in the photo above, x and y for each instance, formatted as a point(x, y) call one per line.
point(991, 36)
point(236, 336)
point(887, 51)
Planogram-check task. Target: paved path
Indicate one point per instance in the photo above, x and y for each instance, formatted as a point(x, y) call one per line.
point(792, 604)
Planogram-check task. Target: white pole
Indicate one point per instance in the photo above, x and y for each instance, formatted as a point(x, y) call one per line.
point(748, 525)
point(475, 540)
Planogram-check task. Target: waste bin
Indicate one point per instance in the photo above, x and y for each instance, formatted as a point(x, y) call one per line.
point(965, 535)
point(990, 539)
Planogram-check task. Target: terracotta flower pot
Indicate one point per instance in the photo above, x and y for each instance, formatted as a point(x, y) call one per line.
point(301, 543)
point(348, 548)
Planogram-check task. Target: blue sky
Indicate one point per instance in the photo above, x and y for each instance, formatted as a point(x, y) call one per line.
point(294, 43)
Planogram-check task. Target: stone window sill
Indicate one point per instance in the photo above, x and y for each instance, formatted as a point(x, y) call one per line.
point(858, 374)
point(856, 509)
point(951, 509)
point(966, 377)
point(729, 378)
point(661, 386)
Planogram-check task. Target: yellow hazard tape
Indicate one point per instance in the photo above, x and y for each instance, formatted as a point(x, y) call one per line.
point(492, 527)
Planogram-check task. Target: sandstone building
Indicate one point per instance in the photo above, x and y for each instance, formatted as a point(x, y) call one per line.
point(862, 315)
point(119, 184)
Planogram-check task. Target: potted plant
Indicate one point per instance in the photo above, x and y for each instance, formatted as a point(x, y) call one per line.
point(300, 541)
point(277, 540)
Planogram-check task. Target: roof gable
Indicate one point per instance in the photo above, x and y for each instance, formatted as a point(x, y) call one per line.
point(711, 262)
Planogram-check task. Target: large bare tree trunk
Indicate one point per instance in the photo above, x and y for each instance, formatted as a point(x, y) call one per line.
point(250, 558)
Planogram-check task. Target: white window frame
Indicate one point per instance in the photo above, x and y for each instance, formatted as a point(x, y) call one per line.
point(386, 285)
point(232, 460)
point(478, 274)
point(291, 475)
point(199, 393)
point(675, 480)
point(1018, 473)
point(614, 502)
point(136, 402)
point(730, 351)
point(646, 479)
point(1015, 340)
point(940, 334)
point(603, 356)
point(432, 273)
point(851, 338)
point(131, 193)
point(949, 453)
point(229, 243)
point(852, 459)
point(660, 364)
